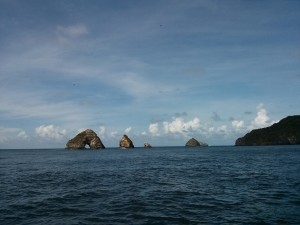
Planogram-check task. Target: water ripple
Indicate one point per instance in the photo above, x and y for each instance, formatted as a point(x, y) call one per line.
point(161, 186)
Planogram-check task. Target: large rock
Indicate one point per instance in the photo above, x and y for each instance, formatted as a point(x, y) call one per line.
point(87, 137)
point(125, 142)
point(285, 132)
point(194, 143)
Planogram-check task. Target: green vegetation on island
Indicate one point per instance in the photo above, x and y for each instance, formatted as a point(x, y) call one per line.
point(285, 132)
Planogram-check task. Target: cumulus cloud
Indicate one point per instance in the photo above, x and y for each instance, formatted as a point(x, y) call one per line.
point(220, 130)
point(238, 124)
point(262, 119)
point(50, 132)
point(179, 126)
point(22, 135)
point(227, 130)
point(154, 129)
point(106, 134)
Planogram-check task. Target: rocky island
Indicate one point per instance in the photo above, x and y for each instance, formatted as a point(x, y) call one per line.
point(87, 137)
point(285, 132)
point(125, 142)
point(194, 143)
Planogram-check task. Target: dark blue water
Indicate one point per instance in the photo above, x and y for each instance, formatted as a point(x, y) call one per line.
point(214, 185)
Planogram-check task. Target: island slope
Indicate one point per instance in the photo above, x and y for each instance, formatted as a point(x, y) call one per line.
point(285, 132)
point(195, 143)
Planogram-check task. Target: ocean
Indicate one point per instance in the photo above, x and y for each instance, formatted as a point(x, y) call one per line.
point(168, 185)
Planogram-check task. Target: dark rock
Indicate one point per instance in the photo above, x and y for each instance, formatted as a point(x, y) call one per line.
point(125, 142)
point(285, 132)
point(194, 143)
point(87, 137)
point(147, 145)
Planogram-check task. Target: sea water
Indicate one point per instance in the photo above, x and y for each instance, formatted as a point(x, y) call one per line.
point(169, 185)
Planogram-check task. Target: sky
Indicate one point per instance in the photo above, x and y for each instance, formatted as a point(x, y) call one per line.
point(159, 71)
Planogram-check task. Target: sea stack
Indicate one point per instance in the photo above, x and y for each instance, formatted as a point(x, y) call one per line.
point(125, 142)
point(87, 137)
point(147, 145)
point(194, 143)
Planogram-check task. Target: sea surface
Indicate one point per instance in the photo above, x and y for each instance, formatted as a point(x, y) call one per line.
point(169, 185)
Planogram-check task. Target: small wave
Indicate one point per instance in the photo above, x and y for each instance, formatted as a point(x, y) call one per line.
point(150, 187)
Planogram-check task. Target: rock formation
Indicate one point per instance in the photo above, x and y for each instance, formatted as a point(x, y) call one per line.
point(87, 137)
point(194, 143)
point(285, 132)
point(125, 142)
point(147, 145)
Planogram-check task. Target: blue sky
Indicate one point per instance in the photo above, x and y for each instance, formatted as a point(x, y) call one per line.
point(159, 71)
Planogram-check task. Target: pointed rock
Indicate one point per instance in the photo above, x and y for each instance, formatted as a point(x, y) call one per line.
point(194, 143)
point(87, 137)
point(125, 142)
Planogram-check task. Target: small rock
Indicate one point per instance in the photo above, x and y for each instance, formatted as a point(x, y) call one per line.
point(194, 143)
point(125, 142)
point(147, 145)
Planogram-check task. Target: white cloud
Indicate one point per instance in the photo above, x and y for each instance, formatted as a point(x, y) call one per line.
point(262, 119)
point(50, 132)
point(238, 124)
point(212, 131)
point(102, 131)
point(106, 134)
point(128, 129)
point(174, 128)
point(179, 126)
point(113, 134)
point(8, 134)
point(222, 129)
point(154, 129)
point(22, 135)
